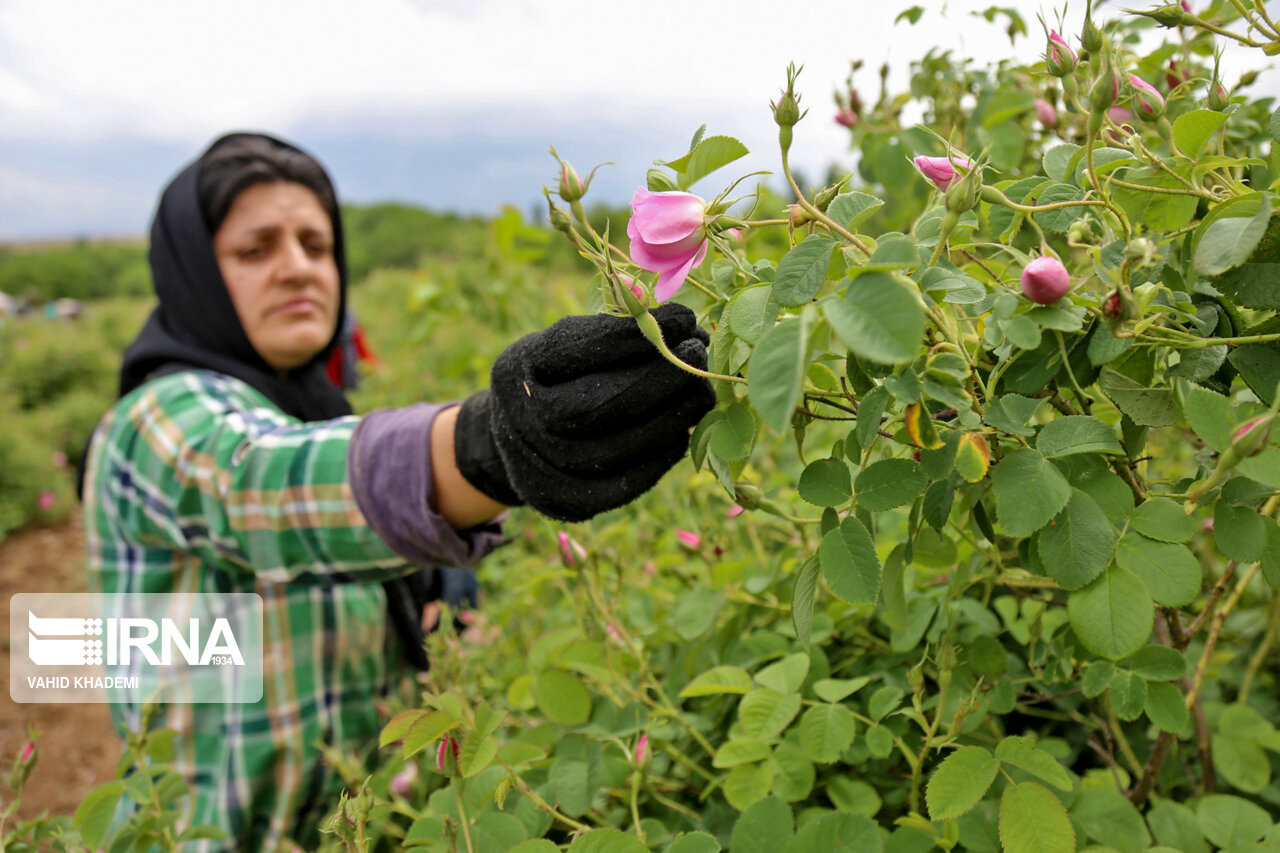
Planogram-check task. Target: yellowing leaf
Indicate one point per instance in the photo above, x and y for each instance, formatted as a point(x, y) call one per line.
point(920, 427)
point(973, 456)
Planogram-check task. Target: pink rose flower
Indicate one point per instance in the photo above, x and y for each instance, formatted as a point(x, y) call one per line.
point(47, 501)
point(940, 170)
point(668, 236)
point(642, 749)
point(1045, 280)
point(734, 511)
point(1046, 113)
point(403, 781)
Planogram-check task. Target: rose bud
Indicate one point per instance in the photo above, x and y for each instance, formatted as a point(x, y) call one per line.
point(1059, 58)
point(1251, 437)
point(1045, 280)
point(847, 117)
point(939, 170)
point(1046, 113)
point(403, 781)
point(1147, 100)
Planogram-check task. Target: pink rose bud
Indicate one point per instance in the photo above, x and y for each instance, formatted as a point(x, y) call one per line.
point(612, 631)
point(1186, 6)
point(938, 170)
point(649, 568)
point(1207, 525)
point(1059, 58)
point(734, 511)
point(642, 749)
point(59, 459)
point(1045, 280)
point(1176, 75)
point(1248, 429)
point(447, 745)
point(668, 236)
point(1120, 115)
point(1112, 307)
point(571, 551)
point(403, 781)
point(47, 501)
point(1147, 99)
point(847, 117)
point(1046, 113)
point(28, 751)
point(571, 187)
point(735, 234)
point(690, 540)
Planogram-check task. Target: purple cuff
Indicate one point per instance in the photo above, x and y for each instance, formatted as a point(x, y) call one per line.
point(389, 466)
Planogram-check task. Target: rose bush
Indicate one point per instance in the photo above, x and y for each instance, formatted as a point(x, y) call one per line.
point(962, 566)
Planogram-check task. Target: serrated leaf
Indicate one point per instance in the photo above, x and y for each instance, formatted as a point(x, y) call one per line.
point(960, 782)
point(694, 842)
point(837, 690)
point(878, 318)
point(1192, 130)
point(94, 814)
point(426, 730)
point(1163, 520)
point(476, 755)
point(1032, 820)
point(888, 484)
point(562, 697)
point(1259, 366)
point(803, 596)
point(1073, 434)
point(973, 457)
point(1128, 693)
point(1229, 241)
point(1021, 752)
point(398, 726)
point(1168, 570)
point(1030, 491)
point(826, 482)
point(711, 154)
point(720, 679)
point(1150, 407)
point(765, 827)
point(1078, 543)
point(732, 438)
point(775, 374)
point(850, 209)
point(1239, 532)
point(1113, 616)
point(850, 564)
point(1210, 417)
point(803, 271)
point(1166, 707)
point(747, 784)
point(1097, 678)
point(734, 752)
point(752, 312)
point(607, 841)
point(1227, 820)
point(786, 675)
point(1156, 663)
point(826, 731)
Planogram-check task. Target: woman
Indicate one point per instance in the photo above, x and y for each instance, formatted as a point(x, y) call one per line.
point(231, 464)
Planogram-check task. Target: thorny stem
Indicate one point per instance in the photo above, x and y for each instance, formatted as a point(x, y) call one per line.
point(1097, 187)
point(1260, 654)
point(462, 815)
point(818, 215)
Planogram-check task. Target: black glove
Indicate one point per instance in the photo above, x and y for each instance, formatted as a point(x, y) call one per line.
point(408, 595)
point(586, 415)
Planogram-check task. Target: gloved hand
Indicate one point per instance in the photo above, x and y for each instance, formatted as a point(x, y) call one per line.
point(586, 415)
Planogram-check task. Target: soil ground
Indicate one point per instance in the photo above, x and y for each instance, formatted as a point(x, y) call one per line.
point(78, 749)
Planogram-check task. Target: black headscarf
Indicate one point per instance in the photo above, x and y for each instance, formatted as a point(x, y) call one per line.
point(196, 325)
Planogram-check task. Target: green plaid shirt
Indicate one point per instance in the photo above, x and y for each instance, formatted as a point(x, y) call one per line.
point(196, 482)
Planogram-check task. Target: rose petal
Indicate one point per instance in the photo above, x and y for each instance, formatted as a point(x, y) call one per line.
point(670, 281)
point(668, 217)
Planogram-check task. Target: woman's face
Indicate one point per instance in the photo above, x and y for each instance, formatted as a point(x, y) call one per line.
point(275, 251)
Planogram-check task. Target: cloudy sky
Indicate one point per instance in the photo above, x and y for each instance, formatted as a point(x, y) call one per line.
point(445, 103)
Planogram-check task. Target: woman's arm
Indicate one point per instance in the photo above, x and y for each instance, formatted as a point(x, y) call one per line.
point(461, 504)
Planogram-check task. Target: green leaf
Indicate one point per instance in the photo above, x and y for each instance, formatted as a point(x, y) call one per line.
point(1210, 417)
point(1107, 817)
point(1240, 533)
point(734, 752)
point(953, 286)
point(893, 251)
point(748, 784)
point(1259, 366)
point(837, 831)
point(720, 679)
point(1271, 556)
point(1020, 331)
point(1158, 211)
point(850, 209)
point(575, 781)
point(1011, 412)
point(607, 841)
point(826, 731)
point(1030, 491)
point(733, 437)
point(870, 411)
point(1157, 663)
point(1128, 695)
point(1166, 707)
point(826, 482)
point(803, 271)
point(752, 312)
point(888, 484)
point(476, 755)
point(426, 730)
point(1192, 130)
point(1058, 159)
point(765, 827)
point(786, 675)
point(710, 154)
point(695, 612)
point(1113, 616)
point(1163, 520)
point(1077, 545)
point(879, 741)
point(803, 596)
point(1032, 820)
point(1227, 820)
point(94, 814)
point(1241, 761)
point(836, 690)
point(879, 318)
point(960, 782)
point(1170, 572)
point(1097, 678)
point(542, 845)
point(398, 726)
point(850, 564)
point(562, 697)
point(694, 842)
point(775, 374)
point(1021, 752)
point(1251, 285)
point(1110, 493)
point(1059, 220)
point(1151, 407)
point(1076, 434)
point(1229, 241)
point(1174, 825)
point(911, 15)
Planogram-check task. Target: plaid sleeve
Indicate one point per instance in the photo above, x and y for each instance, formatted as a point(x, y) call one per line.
point(202, 463)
